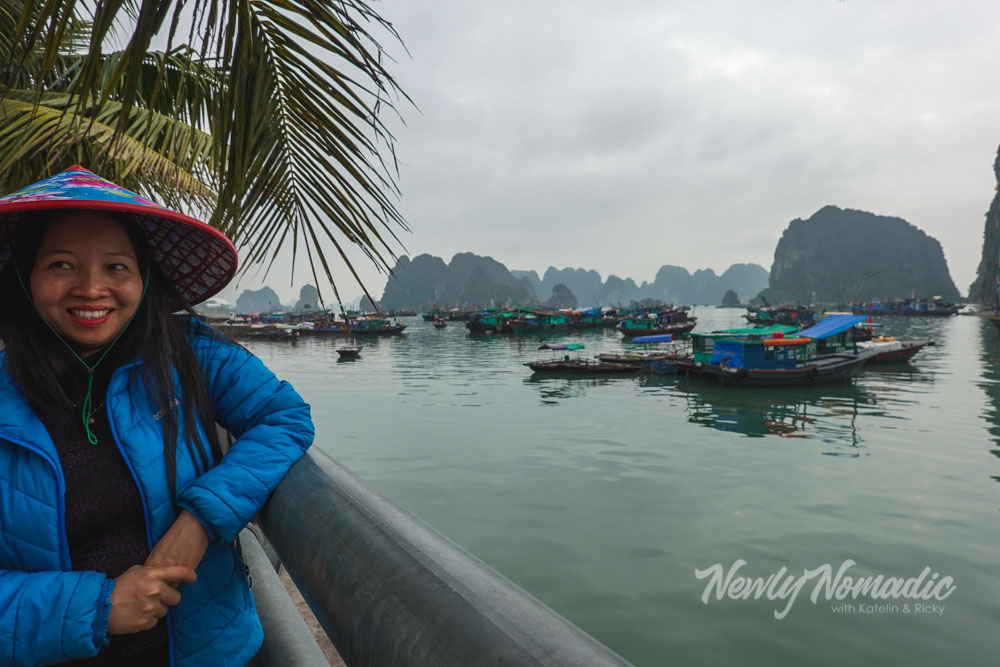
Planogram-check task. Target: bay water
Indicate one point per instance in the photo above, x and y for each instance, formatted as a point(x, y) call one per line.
point(604, 497)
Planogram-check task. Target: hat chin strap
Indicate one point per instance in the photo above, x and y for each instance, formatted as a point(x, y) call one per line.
point(88, 399)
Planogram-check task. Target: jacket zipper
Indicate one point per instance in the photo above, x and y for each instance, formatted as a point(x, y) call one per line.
point(142, 495)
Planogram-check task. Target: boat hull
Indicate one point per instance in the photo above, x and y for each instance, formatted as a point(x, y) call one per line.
point(819, 370)
point(677, 329)
point(581, 367)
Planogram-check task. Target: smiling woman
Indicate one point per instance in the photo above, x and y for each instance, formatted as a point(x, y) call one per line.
point(119, 509)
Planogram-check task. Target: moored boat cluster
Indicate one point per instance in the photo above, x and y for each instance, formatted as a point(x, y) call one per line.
point(787, 345)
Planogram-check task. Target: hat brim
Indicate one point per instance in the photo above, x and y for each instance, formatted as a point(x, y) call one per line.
point(197, 258)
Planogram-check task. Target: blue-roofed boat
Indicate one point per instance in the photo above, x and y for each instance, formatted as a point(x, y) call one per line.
point(839, 332)
point(703, 345)
point(778, 361)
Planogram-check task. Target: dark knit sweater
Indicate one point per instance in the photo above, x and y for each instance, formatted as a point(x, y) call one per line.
point(105, 521)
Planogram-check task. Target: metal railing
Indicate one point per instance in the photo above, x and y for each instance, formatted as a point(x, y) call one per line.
point(390, 590)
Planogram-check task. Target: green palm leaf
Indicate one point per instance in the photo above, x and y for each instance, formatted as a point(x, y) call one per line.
point(268, 115)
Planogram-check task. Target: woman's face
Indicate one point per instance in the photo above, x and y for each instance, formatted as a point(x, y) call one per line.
point(86, 281)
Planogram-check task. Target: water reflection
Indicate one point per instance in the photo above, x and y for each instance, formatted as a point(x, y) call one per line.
point(828, 413)
point(553, 388)
point(989, 359)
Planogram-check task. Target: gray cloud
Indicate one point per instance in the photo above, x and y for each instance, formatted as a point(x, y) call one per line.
point(623, 136)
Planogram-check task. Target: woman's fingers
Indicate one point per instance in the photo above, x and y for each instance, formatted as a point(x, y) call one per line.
point(170, 596)
point(174, 574)
point(142, 594)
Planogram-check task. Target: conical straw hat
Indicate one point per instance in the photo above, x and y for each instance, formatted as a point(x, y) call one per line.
point(197, 258)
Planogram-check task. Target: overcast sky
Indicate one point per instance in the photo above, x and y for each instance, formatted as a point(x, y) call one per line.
point(621, 136)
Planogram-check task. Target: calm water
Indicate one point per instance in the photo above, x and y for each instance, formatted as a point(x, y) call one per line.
point(603, 496)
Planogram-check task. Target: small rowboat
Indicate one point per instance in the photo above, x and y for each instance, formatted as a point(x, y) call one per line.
point(348, 353)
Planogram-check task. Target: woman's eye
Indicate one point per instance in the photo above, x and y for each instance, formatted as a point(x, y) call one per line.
point(117, 267)
point(60, 265)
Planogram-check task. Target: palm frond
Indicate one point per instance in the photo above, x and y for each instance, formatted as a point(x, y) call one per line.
point(290, 92)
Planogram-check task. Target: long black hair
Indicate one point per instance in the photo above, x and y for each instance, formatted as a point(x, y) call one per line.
point(43, 366)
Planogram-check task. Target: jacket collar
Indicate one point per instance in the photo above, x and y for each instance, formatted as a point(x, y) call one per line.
point(17, 420)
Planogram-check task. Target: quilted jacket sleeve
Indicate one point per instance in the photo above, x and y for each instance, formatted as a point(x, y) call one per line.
point(52, 617)
point(272, 427)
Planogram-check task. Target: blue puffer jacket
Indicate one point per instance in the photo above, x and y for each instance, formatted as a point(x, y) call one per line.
point(49, 614)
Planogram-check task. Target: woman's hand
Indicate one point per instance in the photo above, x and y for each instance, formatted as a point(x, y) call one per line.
point(142, 594)
point(184, 543)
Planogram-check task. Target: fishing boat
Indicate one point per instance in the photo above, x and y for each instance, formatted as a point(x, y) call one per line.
point(537, 321)
point(796, 316)
point(372, 325)
point(592, 318)
point(702, 346)
point(279, 332)
point(840, 332)
point(778, 361)
point(440, 324)
point(452, 315)
point(492, 320)
point(575, 365)
point(890, 350)
point(651, 360)
point(673, 322)
point(933, 306)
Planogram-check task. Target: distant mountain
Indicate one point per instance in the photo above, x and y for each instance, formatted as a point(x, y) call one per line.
point(472, 280)
point(673, 284)
point(308, 299)
point(983, 289)
point(263, 300)
point(469, 280)
point(730, 300)
point(844, 255)
point(562, 297)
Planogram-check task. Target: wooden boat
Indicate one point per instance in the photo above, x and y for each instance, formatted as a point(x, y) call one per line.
point(440, 324)
point(491, 320)
point(796, 316)
point(592, 318)
point(537, 321)
point(453, 315)
point(371, 325)
point(924, 307)
point(890, 350)
point(779, 362)
point(672, 322)
point(277, 333)
point(840, 332)
point(576, 366)
point(349, 352)
point(657, 361)
point(703, 347)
